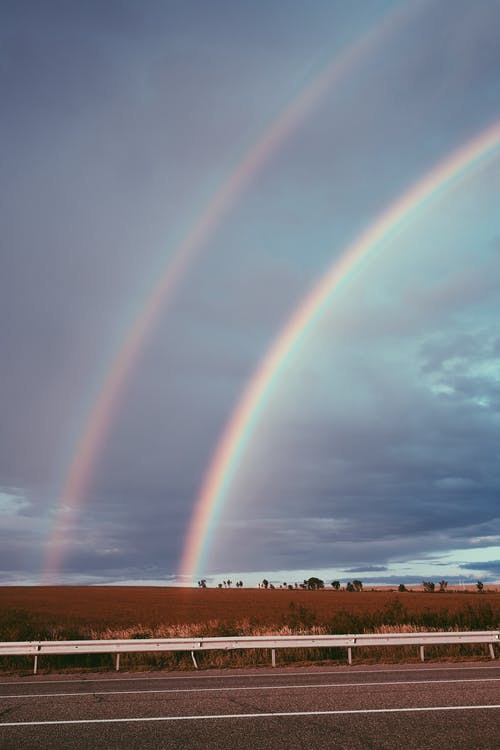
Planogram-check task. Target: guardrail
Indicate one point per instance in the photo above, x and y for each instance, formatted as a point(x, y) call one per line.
point(194, 645)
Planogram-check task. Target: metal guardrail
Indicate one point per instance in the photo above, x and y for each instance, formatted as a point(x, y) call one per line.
point(194, 645)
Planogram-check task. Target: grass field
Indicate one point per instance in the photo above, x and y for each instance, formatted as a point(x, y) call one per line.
point(78, 612)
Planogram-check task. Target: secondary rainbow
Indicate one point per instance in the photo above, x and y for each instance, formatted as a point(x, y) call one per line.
point(104, 406)
point(241, 424)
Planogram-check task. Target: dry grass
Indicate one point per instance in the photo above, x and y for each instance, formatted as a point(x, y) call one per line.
point(124, 606)
point(50, 613)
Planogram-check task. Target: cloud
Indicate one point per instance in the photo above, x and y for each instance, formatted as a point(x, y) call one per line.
point(379, 442)
point(491, 567)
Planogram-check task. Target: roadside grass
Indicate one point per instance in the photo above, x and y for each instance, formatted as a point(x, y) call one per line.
point(296, 619)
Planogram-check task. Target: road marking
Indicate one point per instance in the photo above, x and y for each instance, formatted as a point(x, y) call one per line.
point(279, 714)
point(275, 674)
point(307, 686)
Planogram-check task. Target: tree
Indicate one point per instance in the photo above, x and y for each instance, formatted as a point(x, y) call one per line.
point(265, 583)
point(336, 585)
point(349, 587)
point(203, 583)
point(402, 587)
point(443, 585)
point(480, 585)
point(313, 583)
point(428, 586)
point(358, 586)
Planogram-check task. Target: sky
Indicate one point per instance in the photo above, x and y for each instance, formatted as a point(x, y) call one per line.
point(125, 128)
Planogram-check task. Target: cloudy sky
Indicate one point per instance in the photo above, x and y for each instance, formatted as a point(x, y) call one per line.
point(123, 125)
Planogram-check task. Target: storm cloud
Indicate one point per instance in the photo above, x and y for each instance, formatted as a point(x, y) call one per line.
point(376, 452)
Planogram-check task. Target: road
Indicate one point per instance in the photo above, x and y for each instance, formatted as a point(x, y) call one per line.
point(418, 707)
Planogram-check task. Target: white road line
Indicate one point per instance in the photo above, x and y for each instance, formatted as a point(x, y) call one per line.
point(275, 674)
point(252, 687)
point(279, 714)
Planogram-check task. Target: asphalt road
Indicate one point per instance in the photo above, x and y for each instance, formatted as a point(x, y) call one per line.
point(433, 707)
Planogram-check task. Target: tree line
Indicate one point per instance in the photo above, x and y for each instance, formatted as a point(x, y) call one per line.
point(315, 584)
point(310, 584)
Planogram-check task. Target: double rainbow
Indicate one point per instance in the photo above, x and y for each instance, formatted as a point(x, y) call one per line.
point(105, 405)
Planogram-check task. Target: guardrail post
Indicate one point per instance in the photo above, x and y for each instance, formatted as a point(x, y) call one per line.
point(492, 650)
point(349, 655)
point(422, 653)
point(273, 657)
point(117, 665)
point(35, 664)
point(193, 657)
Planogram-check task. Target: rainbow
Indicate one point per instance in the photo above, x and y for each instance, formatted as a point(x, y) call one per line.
point(96, 425)
point(242, 422)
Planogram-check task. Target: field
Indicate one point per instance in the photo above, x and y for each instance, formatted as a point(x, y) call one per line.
point(69, 612)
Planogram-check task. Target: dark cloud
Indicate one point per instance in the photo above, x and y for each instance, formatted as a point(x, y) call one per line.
point(491, 567)
point(378, 441)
